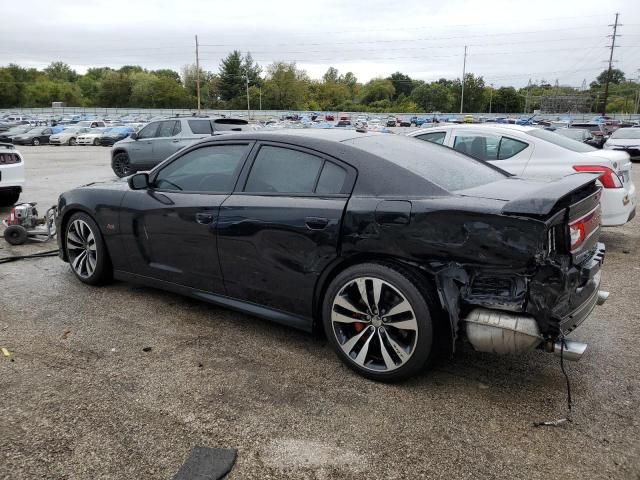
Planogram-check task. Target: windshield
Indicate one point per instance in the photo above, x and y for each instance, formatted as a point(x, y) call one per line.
point(441, 165)
point(627, 133)
point(561, 141)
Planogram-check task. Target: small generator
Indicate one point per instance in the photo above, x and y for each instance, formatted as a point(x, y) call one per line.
point(23, 223)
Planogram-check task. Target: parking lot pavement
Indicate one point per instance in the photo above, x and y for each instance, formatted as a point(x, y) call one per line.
point(81, 399)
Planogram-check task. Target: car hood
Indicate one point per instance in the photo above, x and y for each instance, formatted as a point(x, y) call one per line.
point(526, 196)
point(116, 184)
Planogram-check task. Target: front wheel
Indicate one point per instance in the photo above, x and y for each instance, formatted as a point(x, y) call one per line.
point(35, 142)
point(86, 250)
point(121, 165)
point(72, 141)
point(378, 321)
point(96, 142)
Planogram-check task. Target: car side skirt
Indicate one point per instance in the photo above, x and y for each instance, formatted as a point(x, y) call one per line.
point(277, 316)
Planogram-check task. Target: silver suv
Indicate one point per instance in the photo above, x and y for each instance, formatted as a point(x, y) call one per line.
point(160, 139)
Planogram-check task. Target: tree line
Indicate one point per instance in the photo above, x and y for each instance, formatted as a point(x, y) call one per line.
point(283, 86)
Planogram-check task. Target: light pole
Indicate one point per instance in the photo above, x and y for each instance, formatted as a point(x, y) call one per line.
point(464, 68)
point(248, 105)
point(490, 97)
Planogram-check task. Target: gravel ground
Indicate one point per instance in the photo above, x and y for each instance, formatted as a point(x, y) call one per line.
point(80, 399)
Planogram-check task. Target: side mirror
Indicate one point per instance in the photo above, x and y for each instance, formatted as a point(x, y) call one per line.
point(133, 136)
point(139, 181)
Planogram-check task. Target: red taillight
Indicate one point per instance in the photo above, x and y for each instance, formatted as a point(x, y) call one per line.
point(11, 219)
point(609, 179)
point(583, 227)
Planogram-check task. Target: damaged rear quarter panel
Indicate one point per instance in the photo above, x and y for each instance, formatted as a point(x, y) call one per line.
point(458, 241)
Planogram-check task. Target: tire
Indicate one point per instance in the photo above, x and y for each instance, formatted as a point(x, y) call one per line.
point(86, 250)
point(16, 234)
point(72, 141)
point(9, 198)
point(35, 142)
point(407, 349)
point(96, 142)
point(121, 166)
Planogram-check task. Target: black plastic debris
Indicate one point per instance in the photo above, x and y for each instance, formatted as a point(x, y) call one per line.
point(206, 463)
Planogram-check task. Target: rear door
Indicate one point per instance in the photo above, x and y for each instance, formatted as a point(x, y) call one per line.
point(171, 227)
point(281, 227)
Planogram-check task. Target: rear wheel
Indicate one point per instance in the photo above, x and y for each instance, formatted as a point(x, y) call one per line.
point(378, 321)
point(86, 250)
point(121, 165)
point(72, 141)
point(96, 142)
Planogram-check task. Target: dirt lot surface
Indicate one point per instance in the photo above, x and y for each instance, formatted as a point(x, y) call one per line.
point(80, 399)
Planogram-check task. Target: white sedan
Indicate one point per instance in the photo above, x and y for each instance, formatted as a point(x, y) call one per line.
point(68, 136)
point(536, 153)
point(92, 137)
point(625, 139)
point(11, 174)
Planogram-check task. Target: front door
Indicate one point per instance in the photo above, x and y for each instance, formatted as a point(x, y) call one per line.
point(281, 227)
point(173, 223)
point(167, 141)
point(141, 150)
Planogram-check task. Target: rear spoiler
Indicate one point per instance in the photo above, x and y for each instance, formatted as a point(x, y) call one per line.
point(542, 201)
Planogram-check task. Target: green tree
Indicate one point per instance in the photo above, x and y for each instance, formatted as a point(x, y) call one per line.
point(285, 87)
point(378, 89)
point(168, 73)
point(433, 97)
point(60, 72)
point(474, 93)
point(617, 77)
point(331, 75)
point(232, 82)
point(507, 100)
point(401, 83)
point(114, 90)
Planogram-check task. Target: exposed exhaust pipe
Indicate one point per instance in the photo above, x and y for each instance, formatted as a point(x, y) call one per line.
point(602, 296)
point(573, 351)
point(496, 331)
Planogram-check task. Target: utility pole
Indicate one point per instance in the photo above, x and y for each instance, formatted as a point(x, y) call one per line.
point(490, 97)
point(260, 87)
point(248, 106)
point(464, 71)
point(526, 101)
point(606, 84)
point(197, 74)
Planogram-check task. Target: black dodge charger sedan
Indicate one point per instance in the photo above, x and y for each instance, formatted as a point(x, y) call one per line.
point(391, 245)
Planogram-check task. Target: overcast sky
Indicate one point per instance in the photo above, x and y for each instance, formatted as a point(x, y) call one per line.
point(509, 42)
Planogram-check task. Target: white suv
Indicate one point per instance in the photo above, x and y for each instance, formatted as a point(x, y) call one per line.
point(532, 152)
point(11, 174)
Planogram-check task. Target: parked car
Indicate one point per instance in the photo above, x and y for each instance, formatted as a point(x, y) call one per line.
point(161, 139)
point(598, 132)
point(7, 136)
point(467, 119)
point(115, 134)
point(627, 140)
point(537, 153)
point(403, 121)
point(68, 136)
point(11, 174)
point(91, 137)
point(579, 134)
point(343, 123)
point(329, 117)
point(35, 136)
point(391, 122)
point(91, 123)
point(297, 227)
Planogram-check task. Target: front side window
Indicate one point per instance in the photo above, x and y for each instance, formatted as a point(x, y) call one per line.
point(211, 169)
point(433, 137)
point(149, 131)
point(282, 170)
point(166, 128)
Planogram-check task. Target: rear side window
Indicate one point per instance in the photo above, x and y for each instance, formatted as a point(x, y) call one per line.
point(433, 137)
point(200, 127)
point(282, 170)
point(509, 147)
point(331, 179)
point(444, 167)
point(488, 147)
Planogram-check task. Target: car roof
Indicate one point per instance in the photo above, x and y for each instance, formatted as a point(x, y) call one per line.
point(502, 128)
point(377, 176)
